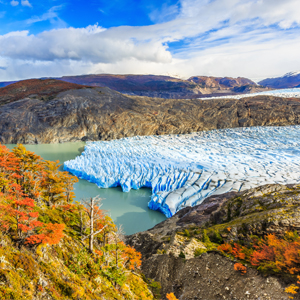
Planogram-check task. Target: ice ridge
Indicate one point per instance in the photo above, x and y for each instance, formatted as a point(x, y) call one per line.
point(183, 170)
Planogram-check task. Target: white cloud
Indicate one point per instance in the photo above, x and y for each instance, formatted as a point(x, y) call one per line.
point(25, 3)
point(250, 38)
point(14, 3)
point(90, 44)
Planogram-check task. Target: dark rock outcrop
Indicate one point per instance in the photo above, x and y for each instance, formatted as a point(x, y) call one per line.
point(103, 114)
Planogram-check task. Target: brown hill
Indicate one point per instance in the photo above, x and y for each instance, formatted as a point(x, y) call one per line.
point(41, 88)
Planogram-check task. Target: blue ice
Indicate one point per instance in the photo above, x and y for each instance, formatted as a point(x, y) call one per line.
point(183, 170)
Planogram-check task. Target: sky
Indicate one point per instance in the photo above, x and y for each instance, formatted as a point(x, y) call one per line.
point(51, 38)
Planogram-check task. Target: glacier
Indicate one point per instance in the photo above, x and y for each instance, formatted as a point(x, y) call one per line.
point(285, 93)
point(182, 170)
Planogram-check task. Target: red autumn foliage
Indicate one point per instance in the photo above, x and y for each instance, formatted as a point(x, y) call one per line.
point(241, 268)
point(237, 251)
point(25, 178)
point(271, 253)
point(49, 234)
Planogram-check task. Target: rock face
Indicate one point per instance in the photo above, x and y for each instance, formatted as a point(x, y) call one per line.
point(266, 209)
point(168, 87)
point(289, 80)
point(102, 114)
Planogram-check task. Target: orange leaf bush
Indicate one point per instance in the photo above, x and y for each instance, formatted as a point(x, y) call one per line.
point(171, 296)
point(241, 268)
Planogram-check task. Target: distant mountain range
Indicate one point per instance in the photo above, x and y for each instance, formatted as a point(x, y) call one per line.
point(157, 86)
point(289, 80)
point(166, 86)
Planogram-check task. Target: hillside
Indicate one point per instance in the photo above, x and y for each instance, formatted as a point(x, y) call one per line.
point(44, 89)
point(289, 80)
point(239, 245)
point(83, 113)
point(52, 248)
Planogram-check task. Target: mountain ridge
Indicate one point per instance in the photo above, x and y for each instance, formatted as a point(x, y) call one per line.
point(162, 86)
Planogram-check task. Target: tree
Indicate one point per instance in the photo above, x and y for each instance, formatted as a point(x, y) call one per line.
point(94, 214)
point(52, 184)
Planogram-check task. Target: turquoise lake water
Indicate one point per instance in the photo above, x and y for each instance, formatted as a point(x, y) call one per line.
point(129, 209)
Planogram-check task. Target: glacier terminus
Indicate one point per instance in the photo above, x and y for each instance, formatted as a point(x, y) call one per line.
point(182, 170)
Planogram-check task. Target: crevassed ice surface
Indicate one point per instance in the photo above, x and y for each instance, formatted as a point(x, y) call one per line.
point(183, 170)
point(285, 93)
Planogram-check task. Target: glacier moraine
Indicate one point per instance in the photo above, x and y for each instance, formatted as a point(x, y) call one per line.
point(183, 170)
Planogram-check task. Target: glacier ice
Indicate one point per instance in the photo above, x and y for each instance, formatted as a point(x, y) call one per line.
point(285, 93)
point(183, 170)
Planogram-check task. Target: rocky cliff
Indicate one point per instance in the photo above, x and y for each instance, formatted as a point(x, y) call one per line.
point(210, 275)
point(82, 113)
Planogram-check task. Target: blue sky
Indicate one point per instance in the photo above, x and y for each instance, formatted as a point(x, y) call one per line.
point(251, 38)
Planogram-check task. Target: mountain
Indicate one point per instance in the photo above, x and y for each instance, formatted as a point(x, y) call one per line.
point(51, 111)
point(289, 80)
point(168, 87)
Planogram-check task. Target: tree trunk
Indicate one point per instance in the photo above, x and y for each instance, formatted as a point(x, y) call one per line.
point(91, 242)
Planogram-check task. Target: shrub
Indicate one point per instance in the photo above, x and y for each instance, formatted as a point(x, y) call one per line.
point(205, 237)
point(199, 251)
point(216, 237)
point(187, 233)
point(241, 268)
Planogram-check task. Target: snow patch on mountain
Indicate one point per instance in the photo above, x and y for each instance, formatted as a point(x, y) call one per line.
point(183, 170)
point(291, 74)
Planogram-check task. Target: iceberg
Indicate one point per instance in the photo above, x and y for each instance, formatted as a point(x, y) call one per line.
point(182, 170)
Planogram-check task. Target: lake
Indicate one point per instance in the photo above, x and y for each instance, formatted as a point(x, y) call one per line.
point(129, 209)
